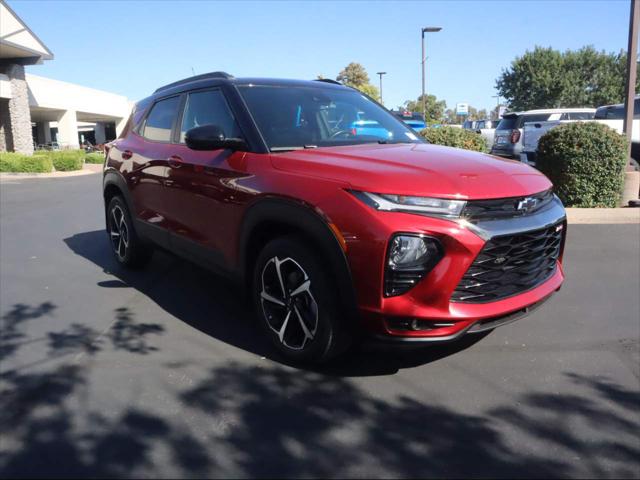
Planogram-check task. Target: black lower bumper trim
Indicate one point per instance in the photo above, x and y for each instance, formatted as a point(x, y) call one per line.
point(477, 327)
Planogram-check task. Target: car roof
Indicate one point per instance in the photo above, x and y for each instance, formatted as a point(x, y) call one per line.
point(220, 78)
point(549, 111)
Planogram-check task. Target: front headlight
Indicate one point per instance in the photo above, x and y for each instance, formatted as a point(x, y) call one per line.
point(409, 258)
point(404, 203)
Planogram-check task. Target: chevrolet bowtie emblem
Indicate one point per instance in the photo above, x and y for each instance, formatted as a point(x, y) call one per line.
point(527, 204)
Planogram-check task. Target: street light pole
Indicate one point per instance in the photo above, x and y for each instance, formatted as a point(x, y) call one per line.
point(632, 51)
point(380, 74)
point(630, 94)
point(497, 106)
point(423, 30)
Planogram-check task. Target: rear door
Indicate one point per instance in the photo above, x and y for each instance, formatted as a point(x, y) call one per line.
point(145, 157)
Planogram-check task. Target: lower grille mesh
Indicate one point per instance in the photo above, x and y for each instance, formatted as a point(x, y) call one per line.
point(511, 264)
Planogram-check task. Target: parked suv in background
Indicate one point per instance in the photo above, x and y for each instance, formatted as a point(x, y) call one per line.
point(333, 233)
point(508, 134)
point(487, 129)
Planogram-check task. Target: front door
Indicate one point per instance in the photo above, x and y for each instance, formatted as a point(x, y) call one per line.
point(199, 198)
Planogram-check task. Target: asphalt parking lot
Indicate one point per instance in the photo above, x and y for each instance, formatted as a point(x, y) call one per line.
point(161, 373)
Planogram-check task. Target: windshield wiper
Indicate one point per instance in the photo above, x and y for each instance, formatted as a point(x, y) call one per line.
point(288, 149)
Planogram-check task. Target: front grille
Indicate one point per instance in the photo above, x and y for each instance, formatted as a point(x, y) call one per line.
point(506, 207)
point(511, 264)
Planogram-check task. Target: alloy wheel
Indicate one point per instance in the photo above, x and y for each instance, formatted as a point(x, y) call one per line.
point(289, 308)
point(119, 232)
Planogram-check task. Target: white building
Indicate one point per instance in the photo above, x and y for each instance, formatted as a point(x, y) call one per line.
point(37, 111)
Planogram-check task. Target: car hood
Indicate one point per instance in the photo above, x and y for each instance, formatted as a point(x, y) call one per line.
point(416, 169)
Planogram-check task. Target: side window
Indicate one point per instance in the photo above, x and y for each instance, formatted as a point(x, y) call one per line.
point(158, 125)
point(208, 108)
point(580, 116)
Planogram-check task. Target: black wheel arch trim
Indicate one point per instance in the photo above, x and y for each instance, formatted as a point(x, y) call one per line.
point(304, 218)
point(114, 178)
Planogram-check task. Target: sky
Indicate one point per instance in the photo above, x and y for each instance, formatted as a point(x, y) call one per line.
point(133, 47)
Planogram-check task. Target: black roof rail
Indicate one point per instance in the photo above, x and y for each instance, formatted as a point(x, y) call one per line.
point(204, 76)
point(327, 80)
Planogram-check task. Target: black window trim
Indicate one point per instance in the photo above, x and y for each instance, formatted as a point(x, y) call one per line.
point(143, 124)
point(183, 105)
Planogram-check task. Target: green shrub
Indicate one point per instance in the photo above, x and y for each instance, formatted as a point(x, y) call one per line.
point(67, 160)
point(17, 162)
point(94, 158)
point(586, 163)
point(455, 137)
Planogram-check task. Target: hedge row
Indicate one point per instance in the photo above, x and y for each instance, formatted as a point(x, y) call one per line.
point(455, 137)
point(96, 158)
point(67, 160)
point(585, 161)
point(16, 162)
point(44, 161)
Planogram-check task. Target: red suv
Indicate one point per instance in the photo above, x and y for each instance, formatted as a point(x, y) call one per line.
point(334, 232)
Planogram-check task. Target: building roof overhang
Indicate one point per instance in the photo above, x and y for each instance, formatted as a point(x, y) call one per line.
point(18, 44)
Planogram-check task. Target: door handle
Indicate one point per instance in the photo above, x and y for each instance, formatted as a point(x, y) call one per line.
point(175, 161)
point(127, 154)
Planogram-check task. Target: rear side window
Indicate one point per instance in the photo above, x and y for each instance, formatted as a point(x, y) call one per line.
point(208, 108)
point(537, 117)
point(160, 120)
point(580, 115)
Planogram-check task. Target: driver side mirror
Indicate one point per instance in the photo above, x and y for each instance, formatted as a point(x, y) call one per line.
point(211, 137)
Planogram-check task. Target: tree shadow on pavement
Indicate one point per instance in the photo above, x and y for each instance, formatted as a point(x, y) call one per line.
point(216, 307)
point(43, 433)
point(275, 421)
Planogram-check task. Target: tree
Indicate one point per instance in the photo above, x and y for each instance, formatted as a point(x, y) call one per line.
point(353, 75)
point(370, 90)
point(547, 78)
point(450, 116)
point(435, 108)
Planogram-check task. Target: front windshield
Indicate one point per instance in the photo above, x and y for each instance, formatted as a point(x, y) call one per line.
point(292, 118)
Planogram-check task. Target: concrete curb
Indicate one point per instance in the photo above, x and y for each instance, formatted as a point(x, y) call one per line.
point(88, 169)
point(603, 215)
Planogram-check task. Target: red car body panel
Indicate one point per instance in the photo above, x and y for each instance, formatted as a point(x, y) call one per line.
point(203, 197)
point(417, 169)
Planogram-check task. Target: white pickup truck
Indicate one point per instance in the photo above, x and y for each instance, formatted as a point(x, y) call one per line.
point(610, 115)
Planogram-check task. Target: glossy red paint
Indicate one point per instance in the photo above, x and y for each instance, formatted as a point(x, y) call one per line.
point(204, 196)
point(202, 205)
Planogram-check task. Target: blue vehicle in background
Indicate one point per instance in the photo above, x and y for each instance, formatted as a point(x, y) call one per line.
point(413, 119)
point(369, 128)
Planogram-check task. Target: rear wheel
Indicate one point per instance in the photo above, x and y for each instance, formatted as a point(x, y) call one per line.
point(296, 303)
point(127, 247)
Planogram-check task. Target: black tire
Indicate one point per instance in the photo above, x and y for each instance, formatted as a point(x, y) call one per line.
point(314, 306)
point(126, 246)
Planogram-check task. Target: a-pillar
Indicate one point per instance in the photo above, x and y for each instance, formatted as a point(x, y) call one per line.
point(68, 130)
point(120, 124)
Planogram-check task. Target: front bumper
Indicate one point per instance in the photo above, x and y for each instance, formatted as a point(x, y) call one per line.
point(429, 302)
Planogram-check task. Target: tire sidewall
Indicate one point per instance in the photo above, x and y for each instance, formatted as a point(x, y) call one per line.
point(128, 257)
point(323, 345)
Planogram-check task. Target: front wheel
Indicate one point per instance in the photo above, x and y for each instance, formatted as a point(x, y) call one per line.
point(296, 303)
